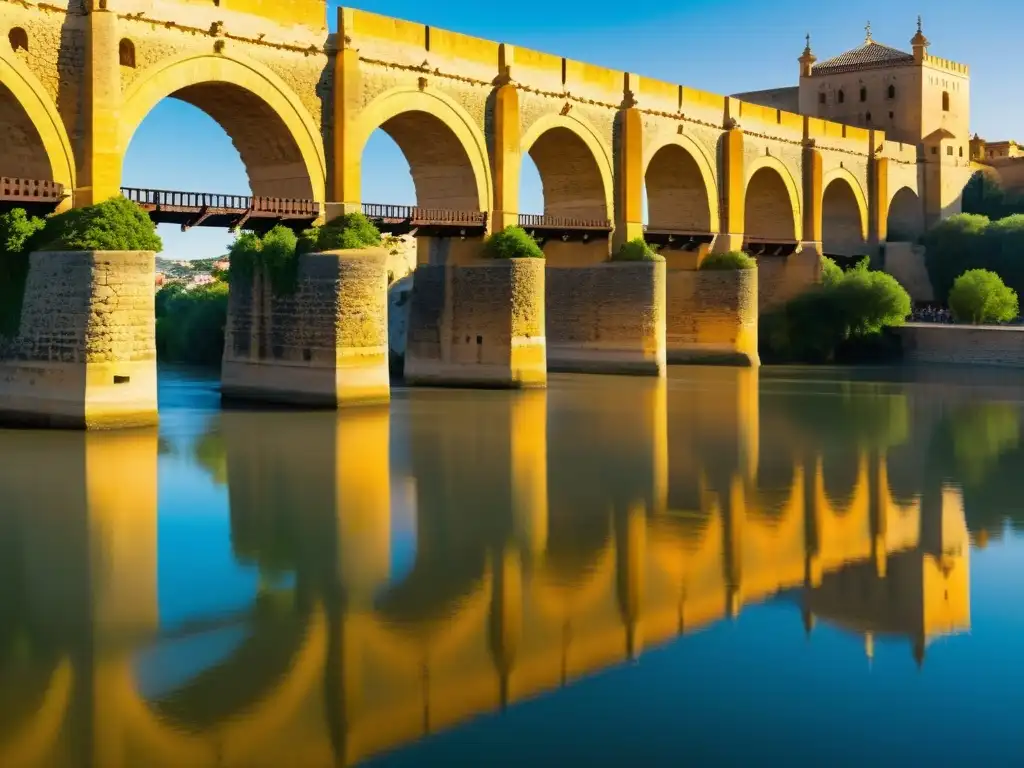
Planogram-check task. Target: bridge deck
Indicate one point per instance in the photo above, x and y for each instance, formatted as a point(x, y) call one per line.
point(543, 227)
point(198, 209)
point(676, 239)
point(765, 246)
point(36, 196)
point(425, 222)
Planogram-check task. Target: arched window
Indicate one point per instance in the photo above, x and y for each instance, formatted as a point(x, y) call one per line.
point(863, 94)
point(126, 53)
point(821, 98)
point(18, 39)
point(892, 91)
point(945, 101)
point(961, 151)
point(842, 96)
point(869, 117)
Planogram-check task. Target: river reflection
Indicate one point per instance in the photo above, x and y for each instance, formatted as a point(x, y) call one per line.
point(772, 551)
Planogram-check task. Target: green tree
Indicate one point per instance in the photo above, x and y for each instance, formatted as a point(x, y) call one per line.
point(190, 323)
point(636, 249)
point(512, 243)
point(953, 246)
point(276, 253)
point(980, 296)
point(830, 271)
point(116, 224)
point(18, 232)
point(729, 260)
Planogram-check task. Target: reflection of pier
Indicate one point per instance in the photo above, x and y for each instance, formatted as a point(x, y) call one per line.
point(558, 551)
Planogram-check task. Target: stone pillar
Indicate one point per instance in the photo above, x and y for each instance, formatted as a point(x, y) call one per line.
point(878, 202)
point(100, 153)
point(323, 345)
point(478, 324)
point(629, 187)
point(344, 159)
point(733, 193)
point(813, 199)
point(506, 155)
point(607, 318)
point(712, 317)
point(85, 353)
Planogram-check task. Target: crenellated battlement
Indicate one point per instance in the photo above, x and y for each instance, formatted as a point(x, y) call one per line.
point(947, 65)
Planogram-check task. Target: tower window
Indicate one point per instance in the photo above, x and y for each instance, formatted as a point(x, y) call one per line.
point(892, 115)
point(126, 53)
point(18, 38)
point(821, 98)
point(842, 96)
point(892, 91)
point(949, 151)
point(945, 101)
point(869, 117)
point(961, 151)
point(863, 94)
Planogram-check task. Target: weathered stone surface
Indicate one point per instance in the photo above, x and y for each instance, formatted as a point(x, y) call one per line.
point(478, 324)
point(607, 318)
point(712, 317)
point(399, 296)
point(993, 345)
point(85, 353)
point(324, 345)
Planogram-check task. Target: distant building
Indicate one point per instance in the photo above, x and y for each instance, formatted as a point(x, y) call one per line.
point(198, 280)
point(222, 265)
point(161, 278)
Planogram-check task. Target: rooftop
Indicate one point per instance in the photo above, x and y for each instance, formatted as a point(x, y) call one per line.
point(870, 55)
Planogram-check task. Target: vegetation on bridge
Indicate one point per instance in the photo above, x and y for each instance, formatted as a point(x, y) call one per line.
point(842, 319)
point(17, 232)
point(636, 249)
point(512, 243)
point(970, 241)
point(980, 296)
point(729, 260)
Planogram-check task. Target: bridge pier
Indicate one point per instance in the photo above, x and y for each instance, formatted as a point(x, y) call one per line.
point(84, 355)
point(324, 345)
point(602, 316)
point(477, 324)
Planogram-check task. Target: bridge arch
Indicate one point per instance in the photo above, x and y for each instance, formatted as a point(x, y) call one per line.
point(771, 202)
point(278, 140)
point(31, 122)
point(844, 214)
point(574, 165)
point(446, 151)
point(681, 188)
point(905, 220)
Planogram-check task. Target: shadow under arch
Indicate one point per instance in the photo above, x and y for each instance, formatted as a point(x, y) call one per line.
point(771, 202)
point(681, 189)
point(446, 151)
point(276, 137)
point(31, 116)
point(905, 219)
point(575, 167)
point(844, 214)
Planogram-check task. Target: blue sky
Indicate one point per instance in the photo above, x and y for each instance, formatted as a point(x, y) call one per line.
point(721, 47)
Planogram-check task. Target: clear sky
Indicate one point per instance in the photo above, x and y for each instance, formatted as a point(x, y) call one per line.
point(721, 47)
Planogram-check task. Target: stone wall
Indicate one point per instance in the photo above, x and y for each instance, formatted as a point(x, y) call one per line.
point(963, 344)
point(782, 278)
point(478, 324)
point(607, 318)
point(711, 317)
point(905, 262)
point(325, 344)
point(85, 354)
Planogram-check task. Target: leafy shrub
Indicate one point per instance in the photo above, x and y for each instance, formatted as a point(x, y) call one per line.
point(116, 224)
point(850, 312)
point(190, 323)
point(953, 246)
point(728, 260)
point(831, 272)
point(636, 249)
point(17, 233)
point(350, 231)
point(980, 296)
point(274, 252)
point(512, 243)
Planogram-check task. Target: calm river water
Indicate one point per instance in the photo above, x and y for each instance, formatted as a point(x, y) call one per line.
point(789, 567)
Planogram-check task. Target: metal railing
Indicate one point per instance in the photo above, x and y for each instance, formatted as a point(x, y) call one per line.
point(170, 199)
point(414, 214)
point(540, 221)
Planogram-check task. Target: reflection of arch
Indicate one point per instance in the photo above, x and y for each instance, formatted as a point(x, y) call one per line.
point(18, 86)
point(278, 140)
point(844, 214)
point(447, 153)
point(905, 221)
point(36, 740)
point(238, 736)
point(681, 190)
point(771, 202)
point(559, 600)
point(433, 590)
point(575, 167)
point(683, 546)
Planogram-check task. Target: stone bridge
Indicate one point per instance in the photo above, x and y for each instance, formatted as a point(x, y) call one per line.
point(558, 581)
point(77, 77)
